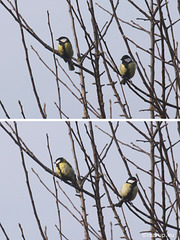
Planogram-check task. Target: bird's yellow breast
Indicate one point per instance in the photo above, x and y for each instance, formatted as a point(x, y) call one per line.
point(60, 49)
point(65, 50)
point(126, 188)
point(64, 170)
point(123, 70)
point(127, 191)
point(129, 71)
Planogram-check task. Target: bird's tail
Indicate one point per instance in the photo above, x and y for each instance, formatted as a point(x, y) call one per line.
point(76, 184)
point(74, 181)
point(119, 204)
point(124, 80)
point(71, 66)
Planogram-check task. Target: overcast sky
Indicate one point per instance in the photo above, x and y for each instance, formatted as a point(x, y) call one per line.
point(15, 204)
point(15, 79)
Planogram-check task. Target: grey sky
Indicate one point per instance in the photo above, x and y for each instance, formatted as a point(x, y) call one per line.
point(15, 203)
point(15, 79)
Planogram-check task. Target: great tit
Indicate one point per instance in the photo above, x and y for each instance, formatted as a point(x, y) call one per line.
point(127, 69)
point(66, 51)
point(65, 171)
point(128, 191)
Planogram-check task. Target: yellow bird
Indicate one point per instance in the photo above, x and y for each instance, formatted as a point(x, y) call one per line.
point(66, 51)
point(65, 171)
point(128, 191)
point(127, 68)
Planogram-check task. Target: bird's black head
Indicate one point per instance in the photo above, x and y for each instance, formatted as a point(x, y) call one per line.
point(126, 59)
point(62, 39)
point(132, 180)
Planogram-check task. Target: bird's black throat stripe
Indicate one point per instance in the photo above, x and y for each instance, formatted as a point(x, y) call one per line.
point(62, 175)
point(65, 57)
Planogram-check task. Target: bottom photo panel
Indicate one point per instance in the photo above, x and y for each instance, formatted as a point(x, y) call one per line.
point(90, 180)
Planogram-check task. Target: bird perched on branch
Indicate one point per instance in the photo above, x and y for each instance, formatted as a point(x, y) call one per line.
point(127, 68)
point(128, 191)
point(66, 51)
point(65, 171)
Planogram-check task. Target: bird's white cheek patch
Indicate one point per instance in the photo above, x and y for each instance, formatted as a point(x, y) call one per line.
point(63, 40)
point(131, 181)
point(128, 60)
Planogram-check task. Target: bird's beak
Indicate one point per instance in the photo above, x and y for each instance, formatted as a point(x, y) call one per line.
point(57, 39)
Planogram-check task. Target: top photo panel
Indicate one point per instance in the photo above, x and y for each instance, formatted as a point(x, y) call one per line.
point(90, 59)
